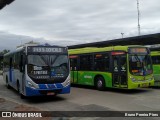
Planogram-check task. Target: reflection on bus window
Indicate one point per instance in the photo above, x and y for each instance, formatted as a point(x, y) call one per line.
point(140, 64)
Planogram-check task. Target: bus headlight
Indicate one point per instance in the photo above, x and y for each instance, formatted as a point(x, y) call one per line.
point(32, 85)
point(132, 78)
point(66, 82)
point(152, 78)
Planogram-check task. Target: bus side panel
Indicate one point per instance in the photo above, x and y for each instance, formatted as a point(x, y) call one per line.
point(72, 75)
point(12, 80)
point(18, 78)
point(108, 79)
point(143, 81)
point(87, 78)
point(156, 73)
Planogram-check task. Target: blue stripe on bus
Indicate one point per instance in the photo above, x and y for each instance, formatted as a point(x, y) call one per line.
point(51, 86)
point(10, 75)
point(35, 92)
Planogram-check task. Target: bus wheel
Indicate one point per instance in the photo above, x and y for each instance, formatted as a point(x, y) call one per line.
point(22, 96)
point(100, 84)
point(55, 95)
point(7, 84)
point(18, 87)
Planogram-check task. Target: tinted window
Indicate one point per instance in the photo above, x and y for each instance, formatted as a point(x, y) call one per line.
point(156, 59)
point(101, 62)
point(73, 63)
point(140, 64)
point(86, 62)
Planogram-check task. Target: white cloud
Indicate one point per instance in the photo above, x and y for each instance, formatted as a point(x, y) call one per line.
point(68, 22)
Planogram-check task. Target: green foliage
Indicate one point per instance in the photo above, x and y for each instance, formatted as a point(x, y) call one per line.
point(1, 57)
point(4, 52)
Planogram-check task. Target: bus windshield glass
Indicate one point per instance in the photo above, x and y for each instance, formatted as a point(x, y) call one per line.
point(140, 64)
point(48, 66)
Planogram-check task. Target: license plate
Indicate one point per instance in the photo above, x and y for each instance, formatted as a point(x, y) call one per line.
point(50, 93)
point(144, 85)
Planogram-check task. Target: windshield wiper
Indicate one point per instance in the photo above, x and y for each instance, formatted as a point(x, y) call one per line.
point(137, 58)
point(48, 62)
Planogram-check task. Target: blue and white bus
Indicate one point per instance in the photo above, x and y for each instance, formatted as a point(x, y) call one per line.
point(38, 70)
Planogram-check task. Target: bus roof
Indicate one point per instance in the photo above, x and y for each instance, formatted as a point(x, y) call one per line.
point(155, 53)
point(149, 39)
point(12, 52)
point(96, 49)
point(27, 45)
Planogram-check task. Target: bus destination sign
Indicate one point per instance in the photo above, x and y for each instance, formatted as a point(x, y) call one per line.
point(41, 49)
point(138, 50)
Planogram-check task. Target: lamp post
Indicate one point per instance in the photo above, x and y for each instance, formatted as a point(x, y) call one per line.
point(139, 28)
point(122, 34)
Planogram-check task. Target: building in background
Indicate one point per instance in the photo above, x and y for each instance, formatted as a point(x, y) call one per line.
point(3, 3)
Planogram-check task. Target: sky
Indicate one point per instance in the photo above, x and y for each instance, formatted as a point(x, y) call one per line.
point(70, 22)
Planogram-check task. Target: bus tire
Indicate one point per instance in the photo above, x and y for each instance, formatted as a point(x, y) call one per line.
point(18, 87)
point(100, 83)
point(55, 95)
point(22, 96)
point(18, 90)
point(7, 84)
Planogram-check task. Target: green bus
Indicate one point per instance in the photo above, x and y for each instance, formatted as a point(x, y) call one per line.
point(126, 67)
point(156, 67)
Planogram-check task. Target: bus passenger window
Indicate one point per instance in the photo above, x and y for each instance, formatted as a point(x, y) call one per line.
point(101, 62)
point(86, 62)
point(123, 63)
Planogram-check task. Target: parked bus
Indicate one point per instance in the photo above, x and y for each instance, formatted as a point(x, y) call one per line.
point(38, 70)
point(126, 67)
point(156, 66)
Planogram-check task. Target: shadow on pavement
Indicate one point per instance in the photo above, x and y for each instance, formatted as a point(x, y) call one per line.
point(43, 99)
point(37, 99)
point(155, 87)
point(123, 91)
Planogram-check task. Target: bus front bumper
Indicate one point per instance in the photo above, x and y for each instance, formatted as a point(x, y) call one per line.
point(141, 84)
point(47, 89)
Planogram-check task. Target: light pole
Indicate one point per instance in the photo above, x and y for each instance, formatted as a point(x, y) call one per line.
point(139, 28)
point(122, 34)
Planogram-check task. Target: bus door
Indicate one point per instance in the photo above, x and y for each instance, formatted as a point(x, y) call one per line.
point(74, 68)
point(12, 72)
point(22, 72)
point(119, 77)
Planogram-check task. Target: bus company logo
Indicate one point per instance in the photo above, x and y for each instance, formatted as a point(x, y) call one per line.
point(6, 114)
point(89, 77)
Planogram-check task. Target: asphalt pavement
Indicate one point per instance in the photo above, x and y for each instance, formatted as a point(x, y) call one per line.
point(85, 98)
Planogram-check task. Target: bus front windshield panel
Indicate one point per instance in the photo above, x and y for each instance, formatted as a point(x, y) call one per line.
point(140, 65)
point(48, 66)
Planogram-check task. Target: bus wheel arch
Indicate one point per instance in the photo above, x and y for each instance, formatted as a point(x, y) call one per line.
point(18, 89)
point(99, 82)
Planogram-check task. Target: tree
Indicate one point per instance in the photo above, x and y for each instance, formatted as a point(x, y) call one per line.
point(4, 51)
point(1, 57)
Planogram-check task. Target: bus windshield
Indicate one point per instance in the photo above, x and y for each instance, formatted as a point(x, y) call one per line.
point(140, 64)
point(48, 66)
